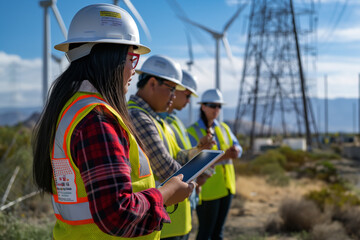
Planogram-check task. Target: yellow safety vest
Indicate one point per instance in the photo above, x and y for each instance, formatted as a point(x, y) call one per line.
point(223, 181)
point(69, 198)
point(180, 219)
point(179, 130)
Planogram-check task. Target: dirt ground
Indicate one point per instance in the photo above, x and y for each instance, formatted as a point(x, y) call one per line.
point(256, 202)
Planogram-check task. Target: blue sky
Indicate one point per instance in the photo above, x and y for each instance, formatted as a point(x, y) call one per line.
point(21, 40)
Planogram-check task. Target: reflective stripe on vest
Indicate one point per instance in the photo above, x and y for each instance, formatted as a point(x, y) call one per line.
point(180, 132)
point(72, 212)
point(66, 202)
point(181, 219)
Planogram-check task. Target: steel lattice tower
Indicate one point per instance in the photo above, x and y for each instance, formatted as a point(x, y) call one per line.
point(273, 86)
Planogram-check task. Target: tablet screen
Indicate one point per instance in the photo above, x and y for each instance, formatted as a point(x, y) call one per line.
point(197, 165)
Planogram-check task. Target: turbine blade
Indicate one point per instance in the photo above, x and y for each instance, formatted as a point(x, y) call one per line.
point(229, 54)
point(227, 48)
point(191, 56)
point(138, 17)
point(59, 19)
point(199, 26)
point(232, 19)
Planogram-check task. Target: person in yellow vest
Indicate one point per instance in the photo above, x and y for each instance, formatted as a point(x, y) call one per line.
point(159, 78)
point(87, 154)
point(180, 101)
point(178, 128)
point(217, 192)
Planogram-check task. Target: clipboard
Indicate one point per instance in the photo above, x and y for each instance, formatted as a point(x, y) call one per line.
point(197, 165)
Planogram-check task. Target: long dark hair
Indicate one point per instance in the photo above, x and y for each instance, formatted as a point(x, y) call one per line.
point(204, 118)
point(103, 68)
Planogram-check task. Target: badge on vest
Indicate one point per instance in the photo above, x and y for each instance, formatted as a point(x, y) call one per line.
point(64, 180)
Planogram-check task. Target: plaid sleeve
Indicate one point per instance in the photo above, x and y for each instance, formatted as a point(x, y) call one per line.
point(162, 164)
point(100, 149)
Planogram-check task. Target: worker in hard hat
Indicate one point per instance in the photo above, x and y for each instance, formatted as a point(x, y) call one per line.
point(178, 129)
point(217, 192)
point(159, 78)
point(182, 98)
point(87, 154)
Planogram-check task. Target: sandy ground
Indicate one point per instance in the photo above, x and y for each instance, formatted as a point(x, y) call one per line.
point(255, 203)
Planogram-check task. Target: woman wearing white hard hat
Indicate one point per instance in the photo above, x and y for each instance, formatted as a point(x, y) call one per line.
point(217, 192)
point(86, 152)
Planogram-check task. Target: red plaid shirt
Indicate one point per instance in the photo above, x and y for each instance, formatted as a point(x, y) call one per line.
point(100, 149)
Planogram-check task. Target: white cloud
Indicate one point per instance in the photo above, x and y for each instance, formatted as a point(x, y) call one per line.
point(340, 35)
point(342, 74)
point(21, 80)
point(349, 34)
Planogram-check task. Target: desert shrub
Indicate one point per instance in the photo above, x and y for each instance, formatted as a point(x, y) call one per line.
point(271, 157)
point(299, 215)
point(294, 158)
point(322, 170)
point(349, 216)
point(275, 175)
point(324, 156)
point(17, 153)
point(336, 195)
point(326, 231)
point(274, 224)
point(12, 228)
point(326, 171)
point(271, 165)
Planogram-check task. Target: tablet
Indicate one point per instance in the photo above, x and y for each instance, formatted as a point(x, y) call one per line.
point(197, 165)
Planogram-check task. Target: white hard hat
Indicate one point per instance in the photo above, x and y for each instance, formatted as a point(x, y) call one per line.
point(189, 82)
point(101, 23)
point(212, 96)
point(163, 67)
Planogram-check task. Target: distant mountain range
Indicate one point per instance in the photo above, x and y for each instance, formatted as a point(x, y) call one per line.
point(342, 115)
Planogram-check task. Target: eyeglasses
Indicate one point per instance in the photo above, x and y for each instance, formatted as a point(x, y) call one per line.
point(171, 88)
point(213, 105)
point(188, 96)
point(135, 59)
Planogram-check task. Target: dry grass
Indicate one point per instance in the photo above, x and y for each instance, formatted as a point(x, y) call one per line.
point(254, 188)
point(326, 231)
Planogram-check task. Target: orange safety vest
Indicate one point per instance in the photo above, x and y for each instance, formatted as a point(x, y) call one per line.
point(69, 198)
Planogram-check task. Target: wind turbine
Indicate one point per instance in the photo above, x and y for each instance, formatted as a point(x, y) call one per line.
point(218, 36)
point(189, 64)
point(47, 41)
point(191, 56)
point(137, 16)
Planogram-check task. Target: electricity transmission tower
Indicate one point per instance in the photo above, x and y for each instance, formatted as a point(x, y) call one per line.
point(273, 88)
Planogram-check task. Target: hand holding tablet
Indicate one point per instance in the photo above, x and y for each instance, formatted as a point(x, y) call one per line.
point(197, 165)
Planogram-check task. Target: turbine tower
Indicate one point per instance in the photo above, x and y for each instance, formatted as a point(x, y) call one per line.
point(189, 64)
point(47, 41)
point(273, 85)
point(218, 36)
